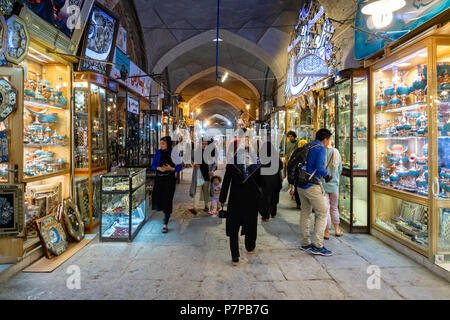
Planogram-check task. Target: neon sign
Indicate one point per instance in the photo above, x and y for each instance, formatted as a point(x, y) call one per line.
point(311, 50)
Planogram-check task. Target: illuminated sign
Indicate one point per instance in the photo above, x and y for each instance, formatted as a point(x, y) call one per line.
point(311, 51)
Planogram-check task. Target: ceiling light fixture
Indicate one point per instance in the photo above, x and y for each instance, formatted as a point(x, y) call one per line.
point(217, 39)
point(224, 77)
point(381, 11)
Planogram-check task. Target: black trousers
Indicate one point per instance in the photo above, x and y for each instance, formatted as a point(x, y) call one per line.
point(297, 197)
point(250, 244)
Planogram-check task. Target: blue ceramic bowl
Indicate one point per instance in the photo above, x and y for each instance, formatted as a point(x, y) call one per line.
point(402, 174)
point(394, 178)
point(391, 159)
point(402, 91)
point(405, 159)
point(389, 92)
point(394, 101)
point(421, 184)
point(381, 103)
point(413, 173)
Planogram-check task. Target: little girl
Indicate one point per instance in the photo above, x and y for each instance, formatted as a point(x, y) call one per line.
point(216, 187)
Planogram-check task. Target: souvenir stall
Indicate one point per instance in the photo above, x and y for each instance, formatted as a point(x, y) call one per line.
point(410, 117)
point(352, 98)
point(89, 116)
point(41, 51)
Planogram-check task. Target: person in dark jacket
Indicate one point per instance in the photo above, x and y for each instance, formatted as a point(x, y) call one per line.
point(271, 184)
point(242, 181)
point(166, 163)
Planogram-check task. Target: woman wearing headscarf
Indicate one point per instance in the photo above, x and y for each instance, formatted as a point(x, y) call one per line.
point(271, 183)
point(166, 163)
point(242, 181)
point(334, 167)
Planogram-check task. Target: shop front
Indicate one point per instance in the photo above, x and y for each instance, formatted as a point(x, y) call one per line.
point(37, 132)
point(409, 117)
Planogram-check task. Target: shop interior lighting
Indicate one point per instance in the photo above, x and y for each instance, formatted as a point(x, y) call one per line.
point(217, 39)
point(40, 54)
point(36, 58)
point(80, 84)
point(381, 11)
point(404, 60)
point(247, 106)
point(404, 64)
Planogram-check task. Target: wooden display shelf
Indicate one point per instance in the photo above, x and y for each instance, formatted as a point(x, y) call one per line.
point(403, 195)
point(46, 176)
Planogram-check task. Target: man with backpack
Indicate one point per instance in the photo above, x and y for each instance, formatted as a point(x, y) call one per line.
point(305, 168)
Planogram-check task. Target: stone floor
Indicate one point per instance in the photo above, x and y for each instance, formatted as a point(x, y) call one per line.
point(193, 261)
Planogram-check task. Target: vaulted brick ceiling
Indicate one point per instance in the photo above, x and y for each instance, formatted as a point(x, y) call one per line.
point(255, 50)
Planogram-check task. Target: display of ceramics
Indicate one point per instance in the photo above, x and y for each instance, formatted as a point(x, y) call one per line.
point(18, 40)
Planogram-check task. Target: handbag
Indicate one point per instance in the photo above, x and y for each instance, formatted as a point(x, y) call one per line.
point(223, 214)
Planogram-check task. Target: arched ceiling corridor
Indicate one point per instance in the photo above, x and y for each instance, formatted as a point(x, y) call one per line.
point(255, 34)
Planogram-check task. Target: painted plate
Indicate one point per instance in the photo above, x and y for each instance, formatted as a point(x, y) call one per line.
point(72, 220)
point(53, 235)
point(397, 148)
point(8, 99)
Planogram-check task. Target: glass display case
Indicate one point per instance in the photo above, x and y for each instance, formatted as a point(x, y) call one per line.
point(116, 131)
point(352, 112)
point(411, 152)
point(132, 139)
point(152, 128)
point(123, 207)
point(144, 134)
point(90, 143)
point(329, 107)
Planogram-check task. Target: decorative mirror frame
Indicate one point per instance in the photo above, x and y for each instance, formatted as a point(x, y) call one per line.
point(8, 102)
point(23, 27)
point(47, 224)
point(70, 223)
point(16, 211)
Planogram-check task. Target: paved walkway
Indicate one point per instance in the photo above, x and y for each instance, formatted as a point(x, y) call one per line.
point(193, 261)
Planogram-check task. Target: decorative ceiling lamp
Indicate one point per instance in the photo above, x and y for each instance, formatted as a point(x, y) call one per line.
point(6, 7)
point(381, 11)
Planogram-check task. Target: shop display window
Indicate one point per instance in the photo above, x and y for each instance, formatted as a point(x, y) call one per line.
point(123, 204)
point(98, 142)
point(293, 120)
point(443, 120)
point(329, 100)
point(46, 114)
point(307, 125)
point(81, 124)
point(408, 221)
point(116, 139)
point(401, 125)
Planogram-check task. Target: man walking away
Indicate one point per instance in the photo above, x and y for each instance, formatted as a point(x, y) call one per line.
point(312, 197)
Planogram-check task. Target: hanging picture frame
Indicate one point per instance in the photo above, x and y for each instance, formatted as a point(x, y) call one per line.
point(52, 235)
point(72, 221)
point(82, 194)
point(18, 40)
point(8, 99)
point(3, 40)
point(11, 211)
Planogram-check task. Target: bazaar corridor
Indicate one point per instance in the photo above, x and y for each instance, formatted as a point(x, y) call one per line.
point(192, 261)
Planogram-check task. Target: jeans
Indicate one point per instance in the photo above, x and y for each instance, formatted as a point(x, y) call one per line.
point(313, 198)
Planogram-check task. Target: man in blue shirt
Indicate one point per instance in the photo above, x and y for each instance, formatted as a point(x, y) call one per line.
point(312, 197)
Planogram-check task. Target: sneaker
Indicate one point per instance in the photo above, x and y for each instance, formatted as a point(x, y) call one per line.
point(306, 248)
point(321, 251)
point(210, 212)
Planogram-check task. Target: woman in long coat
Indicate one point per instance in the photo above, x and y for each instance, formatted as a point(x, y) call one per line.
point(243, 183)
point(166, 163)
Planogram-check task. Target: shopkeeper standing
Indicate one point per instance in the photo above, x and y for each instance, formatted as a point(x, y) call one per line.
point(166, 163)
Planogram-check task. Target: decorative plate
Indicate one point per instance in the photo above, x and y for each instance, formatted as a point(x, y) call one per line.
point(8, 101)
point(11, 211)
point(72, 220)
point(397, 148)
point(18, 40)
point(52, 235)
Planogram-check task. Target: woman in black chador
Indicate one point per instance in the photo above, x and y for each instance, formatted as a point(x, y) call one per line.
point(244, 178)
point(271, 183)
point(166, 163)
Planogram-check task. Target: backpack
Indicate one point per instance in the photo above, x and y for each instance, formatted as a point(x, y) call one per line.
point(296, 168)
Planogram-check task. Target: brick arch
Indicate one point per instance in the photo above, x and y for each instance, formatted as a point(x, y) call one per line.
point(219, 93)
point(221, 69)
